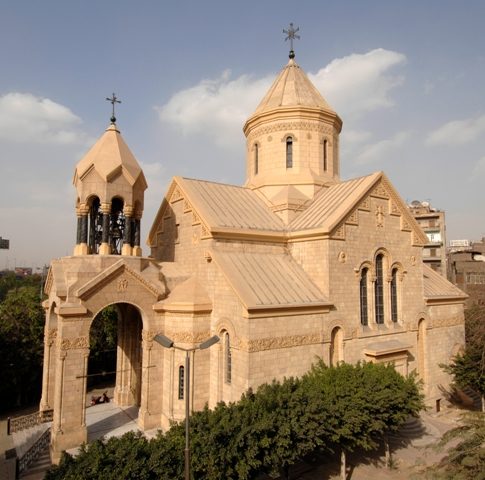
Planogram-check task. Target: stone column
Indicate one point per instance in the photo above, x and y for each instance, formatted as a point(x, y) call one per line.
point(136, 247)
point(151, 386)
point(69, 425)
point(104, 248)
point(127, 234)
point(49, 369)
point(82, 230)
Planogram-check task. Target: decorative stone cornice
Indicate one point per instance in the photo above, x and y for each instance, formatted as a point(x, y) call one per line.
point(73, 343)
point(275, 343)
point(315, 126)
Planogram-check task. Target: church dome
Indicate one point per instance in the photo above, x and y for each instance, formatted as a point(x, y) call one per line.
point(292, 140)
point(292, 88)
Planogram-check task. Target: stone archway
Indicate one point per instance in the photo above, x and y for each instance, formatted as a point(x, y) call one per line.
point(78, 288)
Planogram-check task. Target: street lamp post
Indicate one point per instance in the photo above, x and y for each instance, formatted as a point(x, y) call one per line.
point(167, 343)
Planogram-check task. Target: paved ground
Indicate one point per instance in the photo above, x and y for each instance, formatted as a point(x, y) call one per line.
point(410, 454)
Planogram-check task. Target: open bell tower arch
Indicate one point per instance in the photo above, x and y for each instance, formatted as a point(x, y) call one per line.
point(110, 188)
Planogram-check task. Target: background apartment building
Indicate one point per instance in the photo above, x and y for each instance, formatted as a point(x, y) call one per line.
point(432, 221)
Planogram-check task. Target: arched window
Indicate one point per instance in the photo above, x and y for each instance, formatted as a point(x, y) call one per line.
point(256, 158)
point(289, 152)
point(363, 298)
point(394, 295)
point(227, 359)
point(95, 232)
point(116, 226)
point(336, 346)
point(325, 159)
point(181, 382)
point(379, 290)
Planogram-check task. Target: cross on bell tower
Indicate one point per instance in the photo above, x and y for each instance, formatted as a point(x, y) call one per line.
point(292, 35)
point(113, 100)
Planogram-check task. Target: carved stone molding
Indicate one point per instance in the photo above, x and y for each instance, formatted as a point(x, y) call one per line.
point(380, 191)
point(365, 204)
point(188, 337)
point(339, 232)
point(379, 217)
point(274, 343)
point(187, 206)
point(73, 343)
point(148, 335)
point(51, 336)
point(122, 284)
point(342, 257)
point(289, 126)
point(353, 218)
point(176, 195)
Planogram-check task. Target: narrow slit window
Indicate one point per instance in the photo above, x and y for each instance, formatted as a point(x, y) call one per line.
point(181, 382)
point(363, 298)
point(289, 152)
point(379, 291)
point(256, 158)
point(325, 153)
point(228, 359)
point(394, 296)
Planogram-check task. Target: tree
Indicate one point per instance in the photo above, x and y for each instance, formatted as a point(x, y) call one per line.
point(21, 344)
point(354, 405)
point(468, 368)
point(466, 458)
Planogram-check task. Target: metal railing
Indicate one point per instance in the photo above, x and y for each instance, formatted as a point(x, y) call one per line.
point(16, 424)
point(23, 462)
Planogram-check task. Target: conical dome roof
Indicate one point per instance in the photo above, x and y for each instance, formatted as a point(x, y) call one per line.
point(108, 155)
point(292, 88)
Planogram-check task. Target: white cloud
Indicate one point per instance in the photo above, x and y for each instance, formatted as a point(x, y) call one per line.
point(479, 169)
point(360, 83)
point(219, 107)
point(27, 118)
point(382, 149)
point(457, 132)
point(216, 107)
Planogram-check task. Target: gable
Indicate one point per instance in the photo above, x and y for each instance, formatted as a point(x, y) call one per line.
point(340, 204)
point(219, 209)
point(121, 274)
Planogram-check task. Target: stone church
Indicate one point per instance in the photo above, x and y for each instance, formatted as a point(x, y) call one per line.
point(294, 265)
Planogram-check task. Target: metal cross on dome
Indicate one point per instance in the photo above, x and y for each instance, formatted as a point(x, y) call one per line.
point(291, 34)
point(113, 100)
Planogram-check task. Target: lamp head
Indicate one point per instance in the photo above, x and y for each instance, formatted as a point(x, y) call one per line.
point(163, 341)
point(209, 342)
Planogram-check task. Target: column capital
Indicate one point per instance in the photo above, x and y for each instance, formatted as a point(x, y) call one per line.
point(106, 208)
point(128, 210)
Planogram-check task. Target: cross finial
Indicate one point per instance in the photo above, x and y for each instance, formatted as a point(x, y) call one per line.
point(113, 100)
point(291, 34)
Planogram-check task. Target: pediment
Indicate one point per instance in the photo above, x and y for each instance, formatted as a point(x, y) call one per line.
point(394, 206)
point(174, 195)
point(123, 278)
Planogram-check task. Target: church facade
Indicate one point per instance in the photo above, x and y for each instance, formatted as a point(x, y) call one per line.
point(294, 265)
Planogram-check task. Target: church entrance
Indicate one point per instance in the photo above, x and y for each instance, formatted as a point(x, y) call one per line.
point(115, 356)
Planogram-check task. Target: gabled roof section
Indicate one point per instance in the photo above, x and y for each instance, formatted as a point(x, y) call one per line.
point(337, 202)
point(269, 281)
point(110, 156)
point(221, 206)
point(437, 288)
point(333, 203)
point(290, 89)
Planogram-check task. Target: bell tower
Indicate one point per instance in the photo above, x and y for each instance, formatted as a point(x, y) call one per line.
point(292, 141)
point(110, 188)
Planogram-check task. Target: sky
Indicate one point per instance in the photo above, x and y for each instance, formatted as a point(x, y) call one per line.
point(407, 79)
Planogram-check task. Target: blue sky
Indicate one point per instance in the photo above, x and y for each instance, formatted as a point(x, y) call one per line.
point(407, 78)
